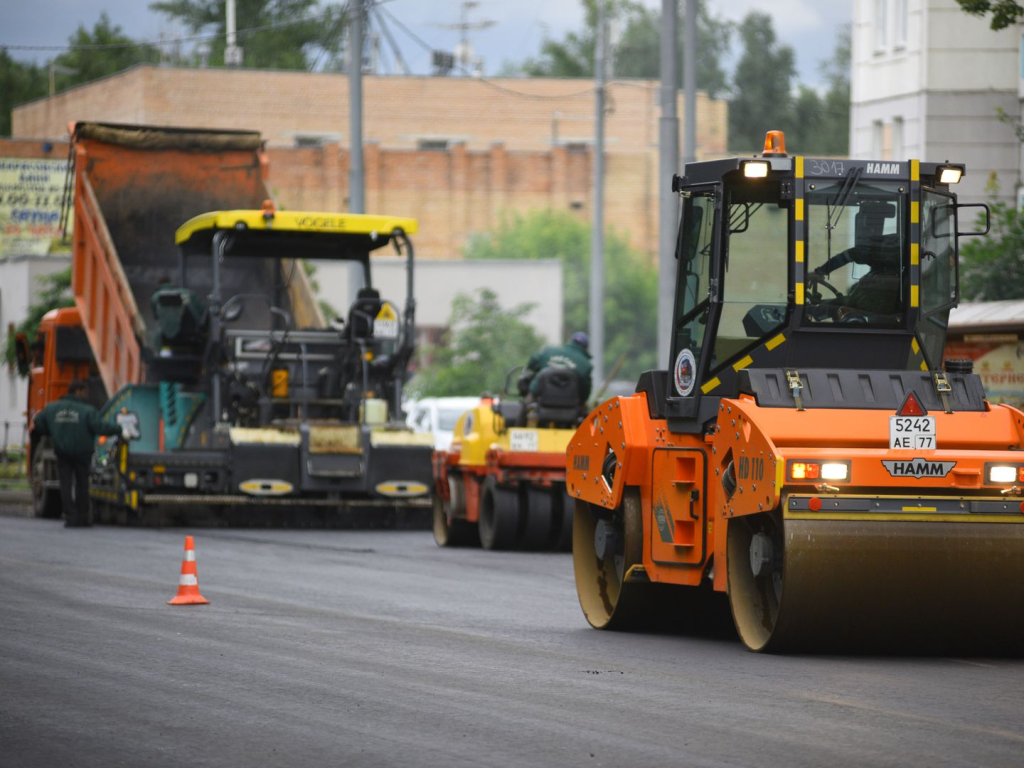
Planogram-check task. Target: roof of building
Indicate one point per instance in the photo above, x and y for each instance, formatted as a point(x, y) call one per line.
point(991, 315)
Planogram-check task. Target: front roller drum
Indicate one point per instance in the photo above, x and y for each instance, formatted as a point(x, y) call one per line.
point(877, 585)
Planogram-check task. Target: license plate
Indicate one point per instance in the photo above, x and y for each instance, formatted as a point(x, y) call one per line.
point(522, 440)
point(912, 433)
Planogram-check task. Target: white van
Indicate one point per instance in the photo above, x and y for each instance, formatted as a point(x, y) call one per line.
point(438, 415)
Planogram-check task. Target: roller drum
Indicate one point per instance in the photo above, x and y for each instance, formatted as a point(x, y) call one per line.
point(875, 585)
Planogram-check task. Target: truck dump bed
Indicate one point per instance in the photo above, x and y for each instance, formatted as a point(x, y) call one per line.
point(134, 186)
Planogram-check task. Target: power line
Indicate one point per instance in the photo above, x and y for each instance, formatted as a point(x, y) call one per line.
point(190, 39)
point(429, 48)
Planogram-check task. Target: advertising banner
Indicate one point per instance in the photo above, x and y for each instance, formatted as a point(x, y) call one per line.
point(999, 360)
point(30, 199)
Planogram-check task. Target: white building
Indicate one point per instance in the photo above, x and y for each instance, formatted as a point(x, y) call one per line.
point(927, 83)
point(19, 288)
point(438, 281)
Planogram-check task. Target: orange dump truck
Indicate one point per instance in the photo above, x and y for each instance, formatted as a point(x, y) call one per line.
point(809, 456)
point(59, 354)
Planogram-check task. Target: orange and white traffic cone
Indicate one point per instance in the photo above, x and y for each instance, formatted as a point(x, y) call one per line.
point(188, 584)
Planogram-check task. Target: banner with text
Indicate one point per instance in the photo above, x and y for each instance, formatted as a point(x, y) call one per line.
point(30, 198)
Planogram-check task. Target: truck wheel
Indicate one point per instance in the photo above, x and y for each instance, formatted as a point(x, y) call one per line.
point(499, 516)
point(45, 501)
point(448, 531)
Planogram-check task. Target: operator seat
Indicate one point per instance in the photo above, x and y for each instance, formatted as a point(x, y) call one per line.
point(556, 398)
point(362, 312)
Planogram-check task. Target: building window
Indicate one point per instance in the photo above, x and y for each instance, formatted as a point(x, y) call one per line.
point(307, 142)
point(897, 139)
point(881, 25)
point(433, 145)
point(876, 139)
point(899, 38)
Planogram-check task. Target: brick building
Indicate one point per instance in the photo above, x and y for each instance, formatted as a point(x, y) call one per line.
point(453, 152)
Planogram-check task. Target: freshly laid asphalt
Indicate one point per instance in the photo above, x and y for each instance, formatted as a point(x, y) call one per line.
point(376, 648)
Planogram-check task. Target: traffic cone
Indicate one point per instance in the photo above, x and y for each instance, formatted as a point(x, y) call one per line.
point(188, 584)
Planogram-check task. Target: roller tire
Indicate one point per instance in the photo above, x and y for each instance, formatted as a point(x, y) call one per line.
point(499, 516)
point(449, 532)
point(537, 508)
point(561, 525)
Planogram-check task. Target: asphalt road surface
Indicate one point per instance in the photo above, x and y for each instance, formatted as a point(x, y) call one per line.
point(376, 648)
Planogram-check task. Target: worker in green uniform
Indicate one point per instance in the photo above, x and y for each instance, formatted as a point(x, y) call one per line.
point(572, 356)
point(73, 426)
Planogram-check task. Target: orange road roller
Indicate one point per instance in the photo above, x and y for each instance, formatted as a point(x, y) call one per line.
point(808, 455)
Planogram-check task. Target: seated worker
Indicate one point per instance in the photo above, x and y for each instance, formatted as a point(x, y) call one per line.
point(877, 293)
point(572, 356)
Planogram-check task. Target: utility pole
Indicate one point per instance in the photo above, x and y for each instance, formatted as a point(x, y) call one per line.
point(597, 231)
point(668, 164)
point(356, 191)
point(690, 83)
point(232, 52)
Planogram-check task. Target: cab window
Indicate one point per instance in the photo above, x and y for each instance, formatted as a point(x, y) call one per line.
point(856, 237)
point(693, 276)
point(938, 272)
point(755, 276)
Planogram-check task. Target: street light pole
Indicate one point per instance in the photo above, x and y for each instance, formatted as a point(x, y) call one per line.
point(668, 164)
point(597, 231)
point(356, 191)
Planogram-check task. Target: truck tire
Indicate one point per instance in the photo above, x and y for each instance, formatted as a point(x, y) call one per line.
point(45, 501)
point(499, 516)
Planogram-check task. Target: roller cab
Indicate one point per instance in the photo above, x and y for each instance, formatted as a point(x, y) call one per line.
point(809, 454)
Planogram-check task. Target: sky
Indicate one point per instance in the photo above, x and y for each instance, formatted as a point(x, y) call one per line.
point(808, 26)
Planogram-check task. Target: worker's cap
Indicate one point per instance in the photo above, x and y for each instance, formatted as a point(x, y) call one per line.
point(581, 338)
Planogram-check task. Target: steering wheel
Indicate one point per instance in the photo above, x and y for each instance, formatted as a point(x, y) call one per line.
point(813, 280)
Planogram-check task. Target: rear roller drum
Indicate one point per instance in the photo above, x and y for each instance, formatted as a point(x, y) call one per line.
point(606, 544)
point(499, 516)
point(537, 530)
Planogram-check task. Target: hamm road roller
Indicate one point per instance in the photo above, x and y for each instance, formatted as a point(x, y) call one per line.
point(809, 454)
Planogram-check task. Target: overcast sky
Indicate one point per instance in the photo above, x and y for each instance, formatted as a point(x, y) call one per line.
point(809, 26)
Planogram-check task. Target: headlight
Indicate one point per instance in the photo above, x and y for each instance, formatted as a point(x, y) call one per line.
point(755, 169)
point(819, 470)
point(950, 174)
point(1002, 474)
point(835, 471)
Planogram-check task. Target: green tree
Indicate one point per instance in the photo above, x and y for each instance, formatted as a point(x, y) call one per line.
point(290, 45)
point(55, 294)
point(631, 283)
point(83, 65)
point(18, 83)
point(1004, 12)
point(992, 267)
point(820, 124)
point(482, 342)
point(762, 85)
point(637, 53)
